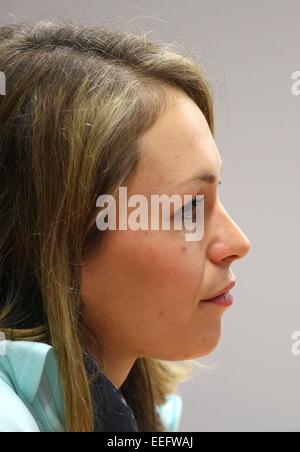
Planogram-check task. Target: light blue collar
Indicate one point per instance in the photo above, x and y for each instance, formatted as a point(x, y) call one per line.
point(24, 364)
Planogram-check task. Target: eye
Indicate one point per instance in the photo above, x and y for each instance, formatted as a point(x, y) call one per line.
point(189, 210)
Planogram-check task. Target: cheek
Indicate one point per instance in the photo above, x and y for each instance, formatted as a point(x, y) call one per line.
point(163, 282)
point(164, 270)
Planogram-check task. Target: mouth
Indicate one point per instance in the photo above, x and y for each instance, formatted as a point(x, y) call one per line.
point(222, 298)
point(225, 300)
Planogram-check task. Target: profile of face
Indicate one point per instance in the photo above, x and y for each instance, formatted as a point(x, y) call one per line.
point(142, 290)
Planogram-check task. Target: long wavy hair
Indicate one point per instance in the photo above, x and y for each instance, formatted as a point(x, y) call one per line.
point(77, 100)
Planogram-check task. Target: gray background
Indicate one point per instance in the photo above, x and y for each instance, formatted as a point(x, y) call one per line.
point(249, 50)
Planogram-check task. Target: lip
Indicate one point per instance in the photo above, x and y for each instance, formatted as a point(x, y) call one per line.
point(225, 300)
point(221, 292)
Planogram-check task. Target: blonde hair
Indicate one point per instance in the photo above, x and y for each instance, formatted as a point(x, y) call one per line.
point(77, 100)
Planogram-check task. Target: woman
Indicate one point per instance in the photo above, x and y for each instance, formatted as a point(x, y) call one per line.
point(92, 318)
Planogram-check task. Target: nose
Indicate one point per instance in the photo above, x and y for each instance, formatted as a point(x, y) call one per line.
point(229, 243)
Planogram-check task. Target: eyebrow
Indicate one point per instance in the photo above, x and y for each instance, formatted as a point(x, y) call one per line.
point(204, 176)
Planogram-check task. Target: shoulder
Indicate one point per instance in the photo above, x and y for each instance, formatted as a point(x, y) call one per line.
point(14, 415)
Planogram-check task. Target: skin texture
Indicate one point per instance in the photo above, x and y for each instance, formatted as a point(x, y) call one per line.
point(142, 289)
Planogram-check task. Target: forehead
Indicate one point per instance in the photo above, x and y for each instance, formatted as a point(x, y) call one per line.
point(177, 145)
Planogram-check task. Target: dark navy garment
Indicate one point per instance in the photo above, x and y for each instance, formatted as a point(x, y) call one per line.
point(112, 412)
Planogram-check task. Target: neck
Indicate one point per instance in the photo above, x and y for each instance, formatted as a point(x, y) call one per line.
point(114, 364)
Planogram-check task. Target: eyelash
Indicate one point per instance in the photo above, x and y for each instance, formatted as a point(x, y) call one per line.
point(190, 207)
point(193, 204)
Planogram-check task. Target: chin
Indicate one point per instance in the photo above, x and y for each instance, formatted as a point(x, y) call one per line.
point(204, 348)
point(196, 347)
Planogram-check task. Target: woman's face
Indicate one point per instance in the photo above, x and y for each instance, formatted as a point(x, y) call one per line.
point(142, 291)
